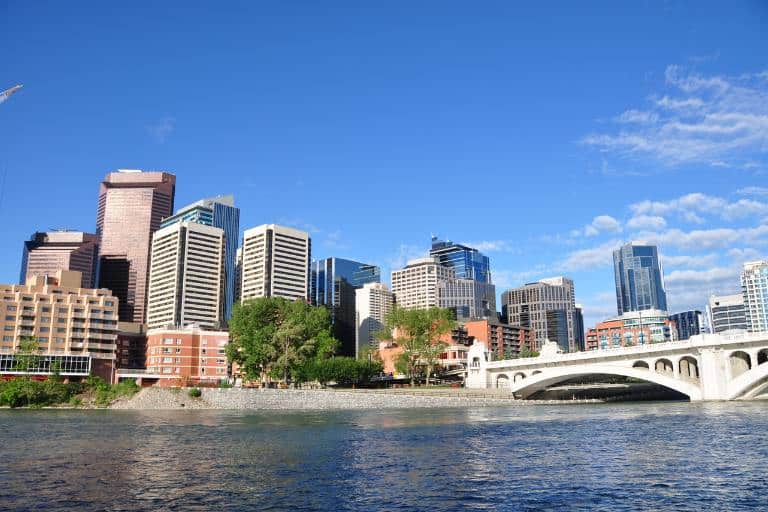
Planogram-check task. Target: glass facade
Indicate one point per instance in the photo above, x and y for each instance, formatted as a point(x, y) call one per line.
point(639, 278)
point(45, 253)
point(688, 323)
point(333, 282)
point(468, 263)
point(219, 212)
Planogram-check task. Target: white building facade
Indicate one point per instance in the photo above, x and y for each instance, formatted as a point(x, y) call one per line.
point(754, 285)
point(373, 302)
point(425, 283)
point(275, 263)
point(186, 276)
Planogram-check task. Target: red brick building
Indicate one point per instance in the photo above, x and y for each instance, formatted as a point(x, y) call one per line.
point(186, 356)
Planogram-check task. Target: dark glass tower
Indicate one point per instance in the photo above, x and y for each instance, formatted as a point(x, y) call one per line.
point(639, 278)
point(219, 212)
point(333, 282)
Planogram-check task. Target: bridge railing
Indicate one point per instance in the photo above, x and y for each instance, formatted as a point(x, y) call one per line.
point(704, 340)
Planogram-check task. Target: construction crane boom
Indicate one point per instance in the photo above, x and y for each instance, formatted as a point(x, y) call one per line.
point(8, 92)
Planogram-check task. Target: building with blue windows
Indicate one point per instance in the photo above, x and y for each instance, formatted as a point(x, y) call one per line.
point(468, 263)
point(333, 283)
point(639, 278)
point(688, 323)
point(219, 212)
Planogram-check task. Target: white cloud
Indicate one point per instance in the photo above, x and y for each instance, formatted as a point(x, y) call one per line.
point(698, 261)
point(753, 191)
point(162, 129)
point(591, 258)
point(647, 222)
point(719, 121)
point(600, 224)
point(706, 239)
point(405, 253)
point(691, 206)
point(493, 246)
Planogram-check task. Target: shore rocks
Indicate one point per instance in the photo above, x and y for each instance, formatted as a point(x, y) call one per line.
point(289, 399)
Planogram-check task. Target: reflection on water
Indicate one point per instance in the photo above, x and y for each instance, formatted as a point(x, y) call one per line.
point(642, 456)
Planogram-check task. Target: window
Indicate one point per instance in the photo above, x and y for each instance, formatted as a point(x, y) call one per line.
point(46, 310)
point(44, 329)
point(61, 329)
point(168, 341)
point(10, 318)
point(178, 341)
point(7, 338)
point(11, 308)
point(178, 351)
point(109, 303)
point(45, 319)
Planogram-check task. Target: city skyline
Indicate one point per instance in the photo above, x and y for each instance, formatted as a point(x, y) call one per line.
point(667, 147)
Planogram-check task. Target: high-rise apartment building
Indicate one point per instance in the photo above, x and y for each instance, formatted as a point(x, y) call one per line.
point(548, 307)
point(75, 327)
point(186, 276)
point(333, 284)
point(468, 263)
point(754, 285)
point(726, 313)
point(219, 212)
point(373, 302)
point(276, 263)
point(639, 278)
point(45, 253)
point(688, 323)
point(131, 206)
point(425, 283)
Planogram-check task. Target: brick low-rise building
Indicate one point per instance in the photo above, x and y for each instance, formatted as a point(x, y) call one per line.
point(503, 340)
point(630, 329)
point(76, 328)
point(188, 355)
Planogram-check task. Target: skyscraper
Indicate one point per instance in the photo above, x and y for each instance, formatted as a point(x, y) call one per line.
point(726, 313)
point(754, 284)
point(333, 284)
point(46, 253)
point(548, 306)
point(186, 276)
point(276, 263)
point(639, 278)
point(688, 323)
point(219, 212)
point(468, 263)
point(131, 206)
point(373, 302)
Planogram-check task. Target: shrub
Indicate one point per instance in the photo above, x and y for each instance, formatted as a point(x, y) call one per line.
point(195, 393)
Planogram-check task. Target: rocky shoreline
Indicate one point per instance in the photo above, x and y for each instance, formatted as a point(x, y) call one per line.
point(309, 400)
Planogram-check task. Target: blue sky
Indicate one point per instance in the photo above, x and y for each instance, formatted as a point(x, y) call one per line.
point(545, 134)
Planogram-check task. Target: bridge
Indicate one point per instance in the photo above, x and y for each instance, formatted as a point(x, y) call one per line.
point(704, 367)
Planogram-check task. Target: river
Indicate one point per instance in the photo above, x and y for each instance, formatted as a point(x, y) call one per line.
point(634, 456)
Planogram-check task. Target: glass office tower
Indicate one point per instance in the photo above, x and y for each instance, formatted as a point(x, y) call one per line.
point(333, 283)
point(639, 278)
point(468, 263)
point(219, 212)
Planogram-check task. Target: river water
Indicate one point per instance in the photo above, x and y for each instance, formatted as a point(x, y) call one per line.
point(641, 456)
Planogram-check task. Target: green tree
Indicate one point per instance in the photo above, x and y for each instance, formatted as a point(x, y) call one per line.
point(418, 332)
point(274, 337)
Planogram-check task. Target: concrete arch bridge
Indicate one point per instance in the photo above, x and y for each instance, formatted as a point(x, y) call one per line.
point(704, 367)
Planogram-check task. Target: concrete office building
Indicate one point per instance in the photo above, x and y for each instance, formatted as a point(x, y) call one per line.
point(639, 278)
point(186, 277)
point(131, 206)
point(373, 302)
point(754, 285)
point(548, 307)
point(219, 212)
point(75, 327)
point(48, 252)
point(276, 263)
point(425, 283)
point(726, 313)
point(333, 284)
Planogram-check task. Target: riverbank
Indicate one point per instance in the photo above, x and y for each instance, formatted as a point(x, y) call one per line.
point(325, 399)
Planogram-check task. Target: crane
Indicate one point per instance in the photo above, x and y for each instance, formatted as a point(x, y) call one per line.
point(8, 92)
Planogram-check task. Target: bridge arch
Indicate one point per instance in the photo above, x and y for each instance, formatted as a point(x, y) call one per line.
point(688, 368)
point(664, 366)
point(641, 364)
point(749, 384)
point(762, 356)
point(740, 363)
point(518, 377)
point(502, 381)
point(542, 381)
point(535, 372)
